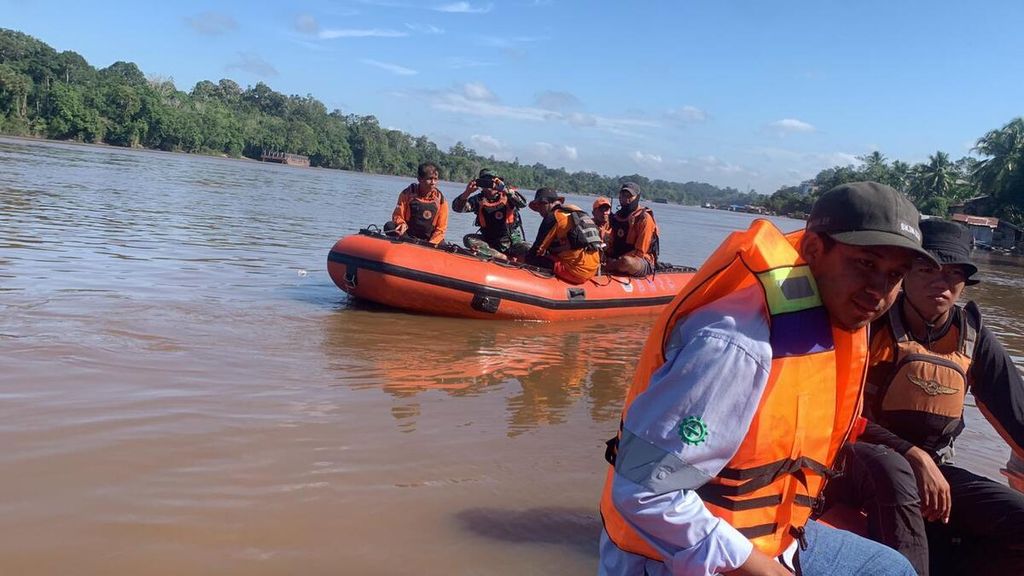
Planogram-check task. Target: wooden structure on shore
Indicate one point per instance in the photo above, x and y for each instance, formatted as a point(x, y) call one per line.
point(285, 158)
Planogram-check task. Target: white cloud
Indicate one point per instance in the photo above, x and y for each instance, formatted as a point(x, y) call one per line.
point(253, 64)
point(711, 163)
point(464, 8)
point(360, 33)
point(815, 160)
point(508, 42)
point(483, 142)
point(548, 151)
point(792, 125)
point(393, 68)
point(338, 12)
point(688, 114)
point(646, 158)
point(460, 103)
point(458, 62)
point(211, 23)
point(475, 99)
point(477, 91)
point(315, 46)
point(385, 3)
point(306, 24)
point(425, 28)
point(580, 119)
point(556, 101)
point(841, 159)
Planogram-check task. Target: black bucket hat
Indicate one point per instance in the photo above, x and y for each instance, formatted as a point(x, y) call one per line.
point(950, 243)
point(545, 195)
point(868, 214)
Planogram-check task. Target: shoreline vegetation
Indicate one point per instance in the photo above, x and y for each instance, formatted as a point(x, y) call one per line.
point(59, 96)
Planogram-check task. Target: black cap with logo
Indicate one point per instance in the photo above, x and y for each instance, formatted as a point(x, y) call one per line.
point(868, 214)
point(632, 187)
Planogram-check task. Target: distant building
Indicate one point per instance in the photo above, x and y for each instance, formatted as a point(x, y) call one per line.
point(977, 206)
point(807, 187)
point(989, 231)
point(285, 158)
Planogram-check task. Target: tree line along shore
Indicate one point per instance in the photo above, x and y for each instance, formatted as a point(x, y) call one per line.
point(60, 96)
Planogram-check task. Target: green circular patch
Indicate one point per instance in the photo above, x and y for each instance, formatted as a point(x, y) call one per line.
point(693, 430)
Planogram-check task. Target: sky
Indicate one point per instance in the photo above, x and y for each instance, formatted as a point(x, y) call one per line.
point(749, 94)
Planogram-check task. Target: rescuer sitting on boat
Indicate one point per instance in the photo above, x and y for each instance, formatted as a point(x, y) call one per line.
point(421, 211)
point(634, 247)
point(601, 212)
point(745, 392)
point(568, 242)
point(926, 353)
point(497, 215)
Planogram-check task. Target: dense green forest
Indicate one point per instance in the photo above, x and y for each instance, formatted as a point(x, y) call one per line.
point(45, 93)
point(58, 95)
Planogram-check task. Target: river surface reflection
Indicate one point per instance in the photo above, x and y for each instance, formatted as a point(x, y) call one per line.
point(185, 391)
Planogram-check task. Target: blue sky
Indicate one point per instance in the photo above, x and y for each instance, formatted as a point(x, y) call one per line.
point(749, 94)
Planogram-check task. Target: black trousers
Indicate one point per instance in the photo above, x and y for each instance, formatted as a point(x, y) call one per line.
point(985, 533)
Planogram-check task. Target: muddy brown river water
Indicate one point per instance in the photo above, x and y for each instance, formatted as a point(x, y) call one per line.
point(184, 391)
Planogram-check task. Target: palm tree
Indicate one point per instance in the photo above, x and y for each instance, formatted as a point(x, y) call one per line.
point(1001, 175)
point(874, 166)
point(899, 175)
point(934, 179)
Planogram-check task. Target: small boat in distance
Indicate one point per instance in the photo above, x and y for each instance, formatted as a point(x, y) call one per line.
point(285, 158)
point(452, 281)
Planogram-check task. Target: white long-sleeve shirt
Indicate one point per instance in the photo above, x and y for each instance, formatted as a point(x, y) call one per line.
point(717, 365)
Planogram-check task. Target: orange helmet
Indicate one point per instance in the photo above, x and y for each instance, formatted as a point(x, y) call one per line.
point(601, 201)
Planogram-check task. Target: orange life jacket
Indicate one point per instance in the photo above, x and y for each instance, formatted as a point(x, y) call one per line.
point(581, 234)
point(494, 212)
point(917, 391)
point(423, 214)
point(624, 232)
point(809, 405)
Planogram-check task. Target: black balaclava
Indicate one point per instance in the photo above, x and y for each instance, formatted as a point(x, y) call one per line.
point(627, 209)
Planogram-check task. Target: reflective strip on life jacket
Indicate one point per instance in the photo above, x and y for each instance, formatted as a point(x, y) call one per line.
point(808, 407)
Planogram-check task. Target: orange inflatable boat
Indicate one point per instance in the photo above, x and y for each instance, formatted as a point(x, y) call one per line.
point(452, 281)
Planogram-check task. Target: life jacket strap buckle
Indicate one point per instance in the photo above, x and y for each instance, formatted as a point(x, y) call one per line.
point(800, 534)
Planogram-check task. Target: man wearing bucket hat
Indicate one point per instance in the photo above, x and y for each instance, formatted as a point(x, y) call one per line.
point(746, 390)
point(568, 242)
point(927, 352)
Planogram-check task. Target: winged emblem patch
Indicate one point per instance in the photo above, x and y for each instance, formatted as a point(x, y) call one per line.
point(931, 387)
